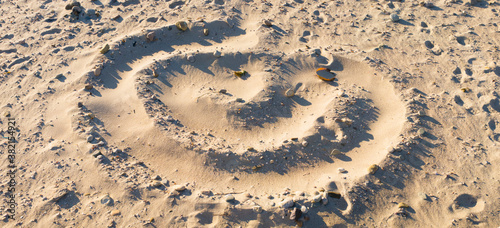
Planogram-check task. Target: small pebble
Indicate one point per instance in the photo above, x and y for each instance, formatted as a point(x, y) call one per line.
point(115, 212)
point(429, 44)
point(217, 54)
point(372, 169)
point(88, 87)
point(394, 17)
point(421, 132)
point(181, 25)
point(268, 23)
point(179, 188)
point(150, 37)
point(229, 198)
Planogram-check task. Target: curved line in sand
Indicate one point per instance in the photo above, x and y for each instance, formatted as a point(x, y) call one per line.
point(121, 97)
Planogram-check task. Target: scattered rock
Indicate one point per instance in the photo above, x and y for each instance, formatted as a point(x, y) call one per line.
point(206, 32)
point(268, 23)
point(217, 54)
point(324, 200)
point(395, 17)
point(305, 143)
point(429, 44)
point(423, 24)
point(372, 169)
point(342, 170)
point(88, 87)
point(223, 91)
point(90, 138)
point(316, 198)
point(68, 7)
point(421, 132)
point(191, 59)
point(80, 104)
point(97, 70)
point(105, 49)
point(240, 73)
point(304, 209)
point(179, 188)
point(181, 25)
point(403, 205)
point(106, 200)
point(115, 212)
point(229, 198)
point(150, 37)
point(290, 92)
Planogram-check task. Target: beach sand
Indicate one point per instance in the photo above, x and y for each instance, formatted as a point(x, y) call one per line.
point(154, 113)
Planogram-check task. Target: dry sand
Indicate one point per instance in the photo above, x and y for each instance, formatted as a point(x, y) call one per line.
point(159, 131)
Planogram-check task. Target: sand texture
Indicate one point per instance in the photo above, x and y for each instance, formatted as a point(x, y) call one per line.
point(220, 113)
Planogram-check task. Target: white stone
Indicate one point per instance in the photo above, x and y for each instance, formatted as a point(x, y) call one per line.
point(179, 188)
point(394, 17)
point(257, 209)
point(304, 209)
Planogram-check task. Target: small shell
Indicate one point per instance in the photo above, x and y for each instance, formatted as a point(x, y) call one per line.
point(335, 152)
point(325, 74)
point(206, 32)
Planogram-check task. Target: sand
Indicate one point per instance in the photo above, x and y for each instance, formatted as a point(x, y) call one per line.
point(152, 113)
